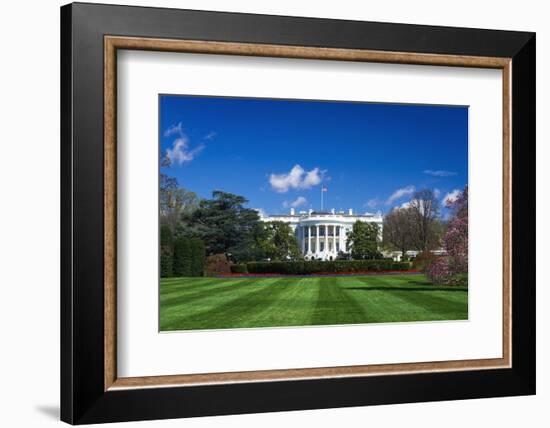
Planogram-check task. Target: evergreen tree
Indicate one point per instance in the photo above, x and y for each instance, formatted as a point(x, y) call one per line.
point(363, 241)
point(279, 242)
point(182, 257)
point(222, 223)
point(166, 252)
point(198, 255)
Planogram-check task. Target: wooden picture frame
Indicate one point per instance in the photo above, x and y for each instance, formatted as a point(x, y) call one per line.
point(91, 390)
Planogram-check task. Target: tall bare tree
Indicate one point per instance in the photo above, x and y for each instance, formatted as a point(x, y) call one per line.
point(174, 201)
point(398, 229)
point(424, 208)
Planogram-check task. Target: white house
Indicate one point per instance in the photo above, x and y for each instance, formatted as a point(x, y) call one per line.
point(321, 235)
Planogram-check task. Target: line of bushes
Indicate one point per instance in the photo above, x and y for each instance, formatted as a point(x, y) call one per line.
point(317, 266)
point(239, 268)
point(183, 257)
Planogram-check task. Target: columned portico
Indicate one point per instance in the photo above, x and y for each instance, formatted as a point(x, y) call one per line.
point(323, 235)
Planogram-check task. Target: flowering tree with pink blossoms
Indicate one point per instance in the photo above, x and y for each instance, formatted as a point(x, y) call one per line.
point(452, 269)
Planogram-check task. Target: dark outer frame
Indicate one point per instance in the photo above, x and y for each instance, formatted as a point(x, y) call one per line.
point(83, 397)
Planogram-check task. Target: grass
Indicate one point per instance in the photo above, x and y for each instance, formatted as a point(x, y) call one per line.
point(216, 303)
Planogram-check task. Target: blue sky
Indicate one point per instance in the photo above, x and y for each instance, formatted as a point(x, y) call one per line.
point(278, 153)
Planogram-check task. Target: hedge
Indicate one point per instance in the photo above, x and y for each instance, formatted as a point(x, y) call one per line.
point(198, 254)
point(182, 257)
point(166, 261)
point(317, 266)
point(166, 252)
point(239, 268)
point(185, 259)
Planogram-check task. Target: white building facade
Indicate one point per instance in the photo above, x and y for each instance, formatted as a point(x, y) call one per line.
point(323, 235)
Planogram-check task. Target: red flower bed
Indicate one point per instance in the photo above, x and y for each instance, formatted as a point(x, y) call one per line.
point(382, 272)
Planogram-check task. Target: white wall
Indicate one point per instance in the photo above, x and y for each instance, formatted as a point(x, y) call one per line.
point(29, 231)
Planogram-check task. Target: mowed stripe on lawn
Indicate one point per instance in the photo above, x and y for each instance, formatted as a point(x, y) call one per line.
point(335, 306)
point(227, 309)
point(395, 301)
point(214, 303)
point(292, 307)
point(192, 292)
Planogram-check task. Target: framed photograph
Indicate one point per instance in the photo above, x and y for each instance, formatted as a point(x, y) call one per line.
point(265, 213)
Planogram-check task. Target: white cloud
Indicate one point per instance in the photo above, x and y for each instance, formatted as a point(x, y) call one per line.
point(313, 178)
point(174, 129)
point(451, 197)
point(373, 203)
point(437, 193)
point(439, 173)
point(180, 152)
point(296, 178)
point(400, 193)
point(298, 202)
point(405, 205)
point(211, 135)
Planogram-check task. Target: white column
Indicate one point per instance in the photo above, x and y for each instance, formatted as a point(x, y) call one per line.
point(303, 240)
point(309, 239)
point(334, 239)
point(317, 239)
point(326, 238)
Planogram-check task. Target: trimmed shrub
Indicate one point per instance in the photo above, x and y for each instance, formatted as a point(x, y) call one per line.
point(240, 268)
point(216, 264)
point(166, 252)
point(198, 254)
point(318, 266)
point(166, 261)
point(188, 257)
point(182, 257)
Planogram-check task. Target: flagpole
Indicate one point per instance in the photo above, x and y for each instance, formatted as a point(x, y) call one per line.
point(322, 198)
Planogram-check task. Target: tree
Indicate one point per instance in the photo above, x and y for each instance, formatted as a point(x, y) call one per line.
point(424, 208)
point(197, 257)
point(251, 248)
point(398, 229)
point(166, 252)
point(182, 257)
point(363, 241)
point(453, 267)
point(174, 201)
point(223, 223)
point(279, 242)
point(456, 238)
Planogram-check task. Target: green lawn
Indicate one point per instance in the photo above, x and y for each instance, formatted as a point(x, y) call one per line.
point(214, 303)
